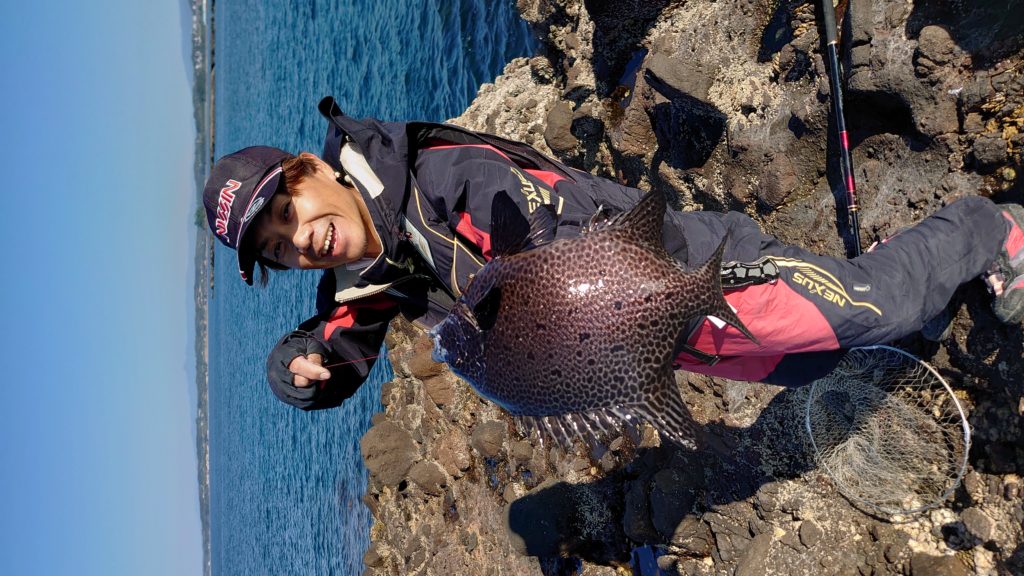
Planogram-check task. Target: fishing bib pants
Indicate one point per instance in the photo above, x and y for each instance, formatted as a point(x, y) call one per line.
point(821, 305)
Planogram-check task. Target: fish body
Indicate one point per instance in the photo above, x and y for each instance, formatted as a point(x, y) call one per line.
point(578, 335)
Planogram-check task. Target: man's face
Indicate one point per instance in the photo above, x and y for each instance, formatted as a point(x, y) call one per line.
point(321, 225)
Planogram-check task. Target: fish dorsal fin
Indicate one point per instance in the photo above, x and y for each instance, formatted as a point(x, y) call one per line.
point(511, 232)
point(643, 221)
point(509, 228)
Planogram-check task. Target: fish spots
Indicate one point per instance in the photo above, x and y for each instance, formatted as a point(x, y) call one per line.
point(617, 305)
point(617, 348)
point(583, 337)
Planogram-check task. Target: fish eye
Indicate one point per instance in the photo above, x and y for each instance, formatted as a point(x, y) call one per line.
point(486, 310)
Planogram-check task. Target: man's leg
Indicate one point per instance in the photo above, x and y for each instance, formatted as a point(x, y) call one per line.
point(892, 291)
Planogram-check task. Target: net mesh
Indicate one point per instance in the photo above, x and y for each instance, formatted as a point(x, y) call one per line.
point(889, 431)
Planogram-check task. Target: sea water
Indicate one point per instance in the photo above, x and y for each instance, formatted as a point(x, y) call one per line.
point(286, 485)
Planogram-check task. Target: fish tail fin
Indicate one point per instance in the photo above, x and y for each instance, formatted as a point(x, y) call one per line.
point(711, 272)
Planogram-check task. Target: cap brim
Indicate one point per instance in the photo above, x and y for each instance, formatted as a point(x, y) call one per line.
point(265, 190)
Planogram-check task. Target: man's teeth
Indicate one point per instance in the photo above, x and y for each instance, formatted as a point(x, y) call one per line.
point(328, 239)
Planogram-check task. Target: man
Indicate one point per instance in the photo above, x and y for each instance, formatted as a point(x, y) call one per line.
point(398, 216)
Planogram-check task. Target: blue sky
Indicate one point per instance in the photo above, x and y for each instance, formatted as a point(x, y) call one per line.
point(96, 132)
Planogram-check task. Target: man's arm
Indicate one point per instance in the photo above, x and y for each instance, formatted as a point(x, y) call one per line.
point(329, 356)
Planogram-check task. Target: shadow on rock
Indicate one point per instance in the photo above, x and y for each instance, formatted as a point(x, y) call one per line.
point(620, 26)
point(987, 29)
point(666, 495)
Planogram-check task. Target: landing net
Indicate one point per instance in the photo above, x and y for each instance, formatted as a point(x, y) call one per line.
point(889, 431)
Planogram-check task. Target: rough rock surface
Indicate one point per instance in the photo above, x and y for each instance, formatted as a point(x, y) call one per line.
point(724, 105)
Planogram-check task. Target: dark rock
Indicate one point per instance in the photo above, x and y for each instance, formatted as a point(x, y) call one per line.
point(989, 152)
point(810, 533)
point(936, 44)
point(558, 133)
point(489, 438)
point(636, 517)
point(753, 561)
point(671, 499)
point(693, 536)
point(682, 74)
point(522, 451)
point(372, 558)
point(429, 476)
point(388, 451)
point(979, 524)
point(668, 565)
point(778, 181)
point(420, 359)
point(928, 565)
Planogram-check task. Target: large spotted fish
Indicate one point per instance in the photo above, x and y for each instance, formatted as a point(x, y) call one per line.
point(576, 336)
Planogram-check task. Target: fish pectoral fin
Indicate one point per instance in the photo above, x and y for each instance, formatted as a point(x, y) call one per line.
point(664, 409)
point(509, 228)
point(543, 222)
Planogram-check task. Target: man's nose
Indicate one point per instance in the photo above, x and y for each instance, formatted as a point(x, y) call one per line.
point(301, 241)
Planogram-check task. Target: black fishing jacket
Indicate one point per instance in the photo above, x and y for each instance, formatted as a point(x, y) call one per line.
point(428, 188)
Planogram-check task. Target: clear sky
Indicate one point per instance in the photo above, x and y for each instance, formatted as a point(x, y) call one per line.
point(98, 457)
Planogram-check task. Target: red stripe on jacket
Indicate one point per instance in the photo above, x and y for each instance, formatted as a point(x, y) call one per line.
point(478, 237)
point(344, 316)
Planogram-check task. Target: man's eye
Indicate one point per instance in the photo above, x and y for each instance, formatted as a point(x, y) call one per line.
point(286, 211)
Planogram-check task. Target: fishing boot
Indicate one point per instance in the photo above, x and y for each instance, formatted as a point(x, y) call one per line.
point(1005, 279)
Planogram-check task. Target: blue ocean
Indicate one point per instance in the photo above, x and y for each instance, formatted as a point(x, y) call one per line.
point(286, 486)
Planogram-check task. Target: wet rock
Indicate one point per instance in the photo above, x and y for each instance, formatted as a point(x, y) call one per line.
point(388, 451)
point(979, 524)
point(429, 476)
point(927, 565)
point(488, 438)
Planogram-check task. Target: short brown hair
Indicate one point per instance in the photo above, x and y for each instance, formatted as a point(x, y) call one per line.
point(297, 169)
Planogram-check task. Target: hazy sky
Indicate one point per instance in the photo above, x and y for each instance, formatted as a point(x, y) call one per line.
point(96, 132)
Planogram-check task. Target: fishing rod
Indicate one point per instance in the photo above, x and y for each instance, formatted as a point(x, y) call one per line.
point(836, 93)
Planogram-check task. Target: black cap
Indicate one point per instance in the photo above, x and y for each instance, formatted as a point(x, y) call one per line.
point(239, 186)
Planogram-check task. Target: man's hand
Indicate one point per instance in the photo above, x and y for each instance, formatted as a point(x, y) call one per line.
point(307, 370)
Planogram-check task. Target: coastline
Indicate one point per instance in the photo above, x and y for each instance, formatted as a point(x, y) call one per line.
point(203, 102)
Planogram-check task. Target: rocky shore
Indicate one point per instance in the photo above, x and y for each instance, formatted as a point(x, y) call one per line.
point(724, 106)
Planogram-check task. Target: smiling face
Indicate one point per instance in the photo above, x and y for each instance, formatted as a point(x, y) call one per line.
point(321, 224)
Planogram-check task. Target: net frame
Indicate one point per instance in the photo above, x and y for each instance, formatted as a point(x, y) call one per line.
point(881, 357)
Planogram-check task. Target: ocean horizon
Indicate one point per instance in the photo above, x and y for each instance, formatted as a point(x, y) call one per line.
point(280, 489)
